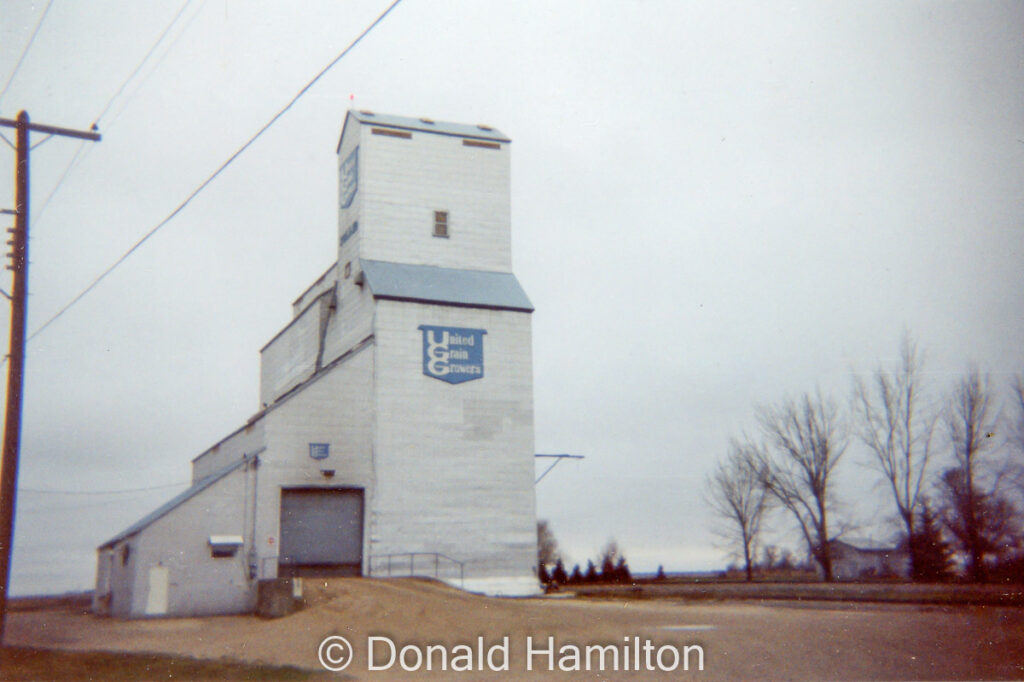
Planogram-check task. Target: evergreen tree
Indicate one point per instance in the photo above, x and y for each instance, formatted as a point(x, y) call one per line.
point(622, 573)
point(591, 575)
point(558, 576)
point(577, 576)
point(661, 573)
point(608, 574)
point(932, 554)
point(542, 575)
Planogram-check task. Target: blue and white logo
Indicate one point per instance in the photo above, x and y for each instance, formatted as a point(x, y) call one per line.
point(349, 178)
point(453, 354)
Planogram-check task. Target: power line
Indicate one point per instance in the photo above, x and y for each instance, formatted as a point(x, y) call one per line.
point(45, 491)
point(67, 169)
point(79, 155)
point(24, 52)
point(156, 66)
point(145, 59)
point(92, 285)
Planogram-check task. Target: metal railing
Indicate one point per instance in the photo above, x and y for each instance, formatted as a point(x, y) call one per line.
point(404, 564)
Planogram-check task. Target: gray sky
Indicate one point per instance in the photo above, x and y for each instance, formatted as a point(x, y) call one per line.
point(714, 205)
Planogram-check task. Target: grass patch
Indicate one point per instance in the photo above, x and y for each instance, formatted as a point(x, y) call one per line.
point(25, 663)
point(879, 592)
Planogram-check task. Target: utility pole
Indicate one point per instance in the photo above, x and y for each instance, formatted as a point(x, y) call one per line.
point(16, 364)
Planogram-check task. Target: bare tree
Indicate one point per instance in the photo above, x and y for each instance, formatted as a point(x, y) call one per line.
point(806, 441)
point(547, 546)
point(735, 492)
point(890, 423)
point(970, 423)
point(1015, 437)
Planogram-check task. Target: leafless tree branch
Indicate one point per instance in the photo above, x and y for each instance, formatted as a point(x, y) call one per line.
point(807, 440)
point(737, 496)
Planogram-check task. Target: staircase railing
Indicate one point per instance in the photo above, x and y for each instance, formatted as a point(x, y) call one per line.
point(417, 564)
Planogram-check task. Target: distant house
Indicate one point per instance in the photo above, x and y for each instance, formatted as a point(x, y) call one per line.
point(856, 563)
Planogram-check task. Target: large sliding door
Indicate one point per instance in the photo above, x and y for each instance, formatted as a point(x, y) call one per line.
point(321, 532)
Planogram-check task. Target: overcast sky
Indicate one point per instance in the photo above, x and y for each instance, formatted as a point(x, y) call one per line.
point(714, 205)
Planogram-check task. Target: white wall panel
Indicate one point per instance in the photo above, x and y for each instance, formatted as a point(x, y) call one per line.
point(245, 441)
point(404, 181)
point(455, 461)
point(290, 358)
point(336, 408)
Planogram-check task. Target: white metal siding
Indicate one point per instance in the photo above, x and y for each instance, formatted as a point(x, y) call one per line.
point(325, 282)
point(335, 408)
point(197, 583)
point(455, 462)
point(403, 181)
point(291, 357)
point(245, 441)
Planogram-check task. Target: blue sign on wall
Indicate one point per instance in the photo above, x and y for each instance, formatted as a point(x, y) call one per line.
point(348, 234)
point(349, 178)
point(319, 450)
point(453, 354)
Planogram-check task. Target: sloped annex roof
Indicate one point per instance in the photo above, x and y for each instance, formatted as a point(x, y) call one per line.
point(446, 286)
point(426, 125)
point(178, 500)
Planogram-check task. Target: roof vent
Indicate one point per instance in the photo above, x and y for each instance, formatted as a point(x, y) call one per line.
point(427, 121)
point(481, 126)
point(366, 112)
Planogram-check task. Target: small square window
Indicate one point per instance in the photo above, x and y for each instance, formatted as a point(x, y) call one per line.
point(440, 223)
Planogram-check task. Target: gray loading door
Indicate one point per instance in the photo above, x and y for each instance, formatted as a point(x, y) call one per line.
point(321, 532)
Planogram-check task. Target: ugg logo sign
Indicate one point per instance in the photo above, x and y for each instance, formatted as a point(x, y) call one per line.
point(453, 354)
point(349, 178)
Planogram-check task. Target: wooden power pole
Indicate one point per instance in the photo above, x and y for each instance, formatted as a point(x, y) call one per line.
point(16, 364)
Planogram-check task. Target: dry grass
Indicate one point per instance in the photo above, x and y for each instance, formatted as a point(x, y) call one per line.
point(25, 663)
point(879, 592)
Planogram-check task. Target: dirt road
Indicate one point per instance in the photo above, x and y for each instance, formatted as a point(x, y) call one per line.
point(737, 640)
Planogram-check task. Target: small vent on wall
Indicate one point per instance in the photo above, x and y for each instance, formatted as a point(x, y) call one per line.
point(427, 121)
point(391, 133)
point(481, 126)
point(481, 143)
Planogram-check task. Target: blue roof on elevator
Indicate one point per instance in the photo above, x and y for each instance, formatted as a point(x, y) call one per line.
point(427, 125)
point(445, 286)
point(431, 126)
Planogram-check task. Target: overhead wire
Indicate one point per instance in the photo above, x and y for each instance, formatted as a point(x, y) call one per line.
point(156, 66)
point(24, 52)
point(145, 59)
point(205, 183)
point(71, 498)
point(83, 150)
point(118, 491)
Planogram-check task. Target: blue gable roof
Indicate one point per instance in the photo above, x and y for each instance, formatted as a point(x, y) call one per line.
point(426, 125)
point(445, 286)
